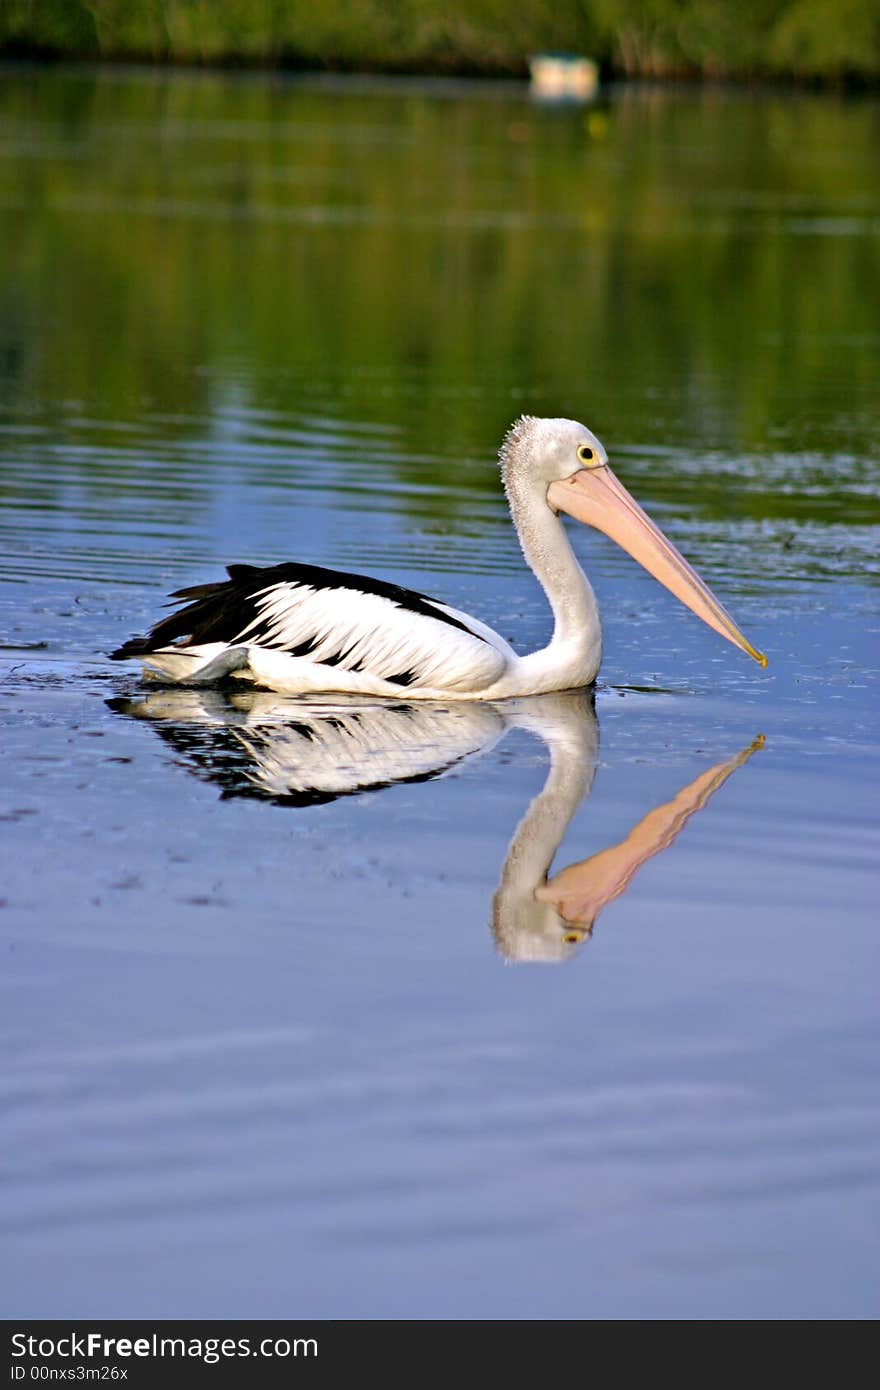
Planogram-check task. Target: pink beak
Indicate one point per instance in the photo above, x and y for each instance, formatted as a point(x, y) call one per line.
point(596, 497)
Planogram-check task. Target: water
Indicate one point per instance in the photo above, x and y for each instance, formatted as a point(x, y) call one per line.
point(287, 1032)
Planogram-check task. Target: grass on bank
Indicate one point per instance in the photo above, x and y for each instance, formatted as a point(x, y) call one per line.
point(831, 41)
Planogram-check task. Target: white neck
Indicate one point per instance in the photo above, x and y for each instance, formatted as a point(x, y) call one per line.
point(575, 651)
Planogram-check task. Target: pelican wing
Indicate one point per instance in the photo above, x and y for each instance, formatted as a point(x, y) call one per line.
point(336, 619)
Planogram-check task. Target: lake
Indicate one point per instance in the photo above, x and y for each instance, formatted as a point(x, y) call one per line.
point(563, 1008)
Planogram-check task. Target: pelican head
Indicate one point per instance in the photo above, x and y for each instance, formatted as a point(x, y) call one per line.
point(564, 463)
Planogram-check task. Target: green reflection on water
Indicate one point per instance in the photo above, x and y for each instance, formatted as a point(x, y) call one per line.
point(696, 275)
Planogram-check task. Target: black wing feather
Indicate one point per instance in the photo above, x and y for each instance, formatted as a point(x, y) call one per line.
point(219, 612)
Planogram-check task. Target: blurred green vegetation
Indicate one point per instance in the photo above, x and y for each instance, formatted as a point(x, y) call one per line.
point(696, 274)
point(828, 40)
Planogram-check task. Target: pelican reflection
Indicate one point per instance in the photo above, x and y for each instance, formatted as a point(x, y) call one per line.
point(293, 752)
point(536, 917)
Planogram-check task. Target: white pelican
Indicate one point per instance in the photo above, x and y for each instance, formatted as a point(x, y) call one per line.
point(299, 629)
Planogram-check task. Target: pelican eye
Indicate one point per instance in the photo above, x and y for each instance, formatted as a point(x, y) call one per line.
point(585, 453)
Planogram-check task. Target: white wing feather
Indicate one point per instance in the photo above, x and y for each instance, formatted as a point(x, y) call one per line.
point(366, 632)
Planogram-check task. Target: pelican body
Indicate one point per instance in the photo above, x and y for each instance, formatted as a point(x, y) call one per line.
point(303, 630)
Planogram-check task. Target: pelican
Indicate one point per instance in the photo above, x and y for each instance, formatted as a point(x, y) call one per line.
point(299, 629)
